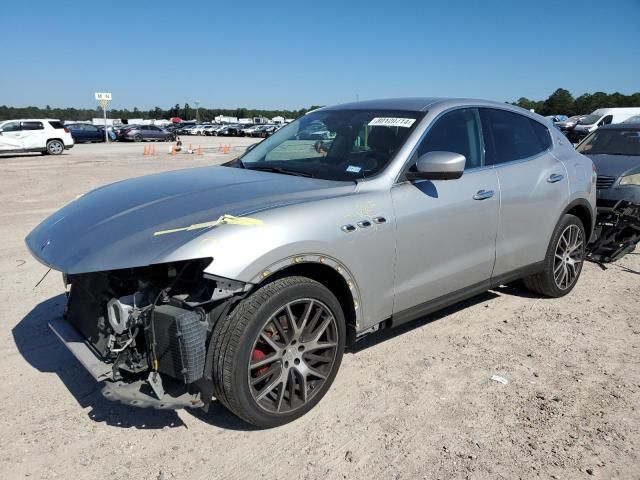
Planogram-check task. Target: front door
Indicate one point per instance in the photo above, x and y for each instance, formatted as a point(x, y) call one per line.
point(33, 135)
point(11, 137)
point(446, 229)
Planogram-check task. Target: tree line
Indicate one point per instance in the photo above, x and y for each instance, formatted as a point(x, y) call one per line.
point(560, 102)
point(186, 112)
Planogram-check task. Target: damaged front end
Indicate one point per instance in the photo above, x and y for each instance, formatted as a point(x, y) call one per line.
point(617, 232)
point(145, 331)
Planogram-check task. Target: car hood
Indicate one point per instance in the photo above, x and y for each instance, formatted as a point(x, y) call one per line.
point(615, 165)
point(113, 227)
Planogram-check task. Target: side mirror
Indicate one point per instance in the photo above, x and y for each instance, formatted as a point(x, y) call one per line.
point(438, 166)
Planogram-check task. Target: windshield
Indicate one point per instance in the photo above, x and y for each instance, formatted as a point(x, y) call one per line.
point(590, 119)
point(634, 119)
point(334, 144)
point(611, 142)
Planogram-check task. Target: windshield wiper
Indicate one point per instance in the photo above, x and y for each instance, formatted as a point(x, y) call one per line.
point(284, 171)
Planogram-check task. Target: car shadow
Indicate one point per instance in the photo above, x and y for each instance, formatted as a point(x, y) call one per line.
point(384, 335)
point(41, 348)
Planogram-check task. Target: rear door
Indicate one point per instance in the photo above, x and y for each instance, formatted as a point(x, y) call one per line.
point(33, 135)
point(446, 229)
point(533, 187)
point(11, 137)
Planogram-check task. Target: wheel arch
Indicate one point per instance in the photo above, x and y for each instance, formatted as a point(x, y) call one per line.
point(582, 209)
point(328, 271)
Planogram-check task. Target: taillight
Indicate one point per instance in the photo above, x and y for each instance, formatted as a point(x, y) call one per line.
point(66, 130)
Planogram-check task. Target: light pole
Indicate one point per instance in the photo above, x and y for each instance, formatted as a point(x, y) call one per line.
point(197, 102)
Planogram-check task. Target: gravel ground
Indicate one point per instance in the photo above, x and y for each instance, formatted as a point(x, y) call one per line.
point(416, 402)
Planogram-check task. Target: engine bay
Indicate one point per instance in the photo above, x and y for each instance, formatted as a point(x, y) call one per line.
point(151, 325)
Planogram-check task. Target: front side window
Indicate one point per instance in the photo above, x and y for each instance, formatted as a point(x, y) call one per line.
point(611, 142)
point(510, 136)
point(335, 144)
point(11, 127)
point(459, 132)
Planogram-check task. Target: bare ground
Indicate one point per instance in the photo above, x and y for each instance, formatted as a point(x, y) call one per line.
point(417, 402)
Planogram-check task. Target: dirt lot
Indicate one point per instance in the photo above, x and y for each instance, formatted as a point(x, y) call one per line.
point(417, 402)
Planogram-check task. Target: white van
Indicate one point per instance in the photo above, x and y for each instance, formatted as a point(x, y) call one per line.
point(600, 117)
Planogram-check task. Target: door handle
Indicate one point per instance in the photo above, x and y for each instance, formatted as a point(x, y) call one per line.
point(555, 177)
point(483, 194)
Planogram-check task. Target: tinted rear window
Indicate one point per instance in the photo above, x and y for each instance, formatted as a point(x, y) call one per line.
point(56, 124)
point(511, 136)
point(32, 126)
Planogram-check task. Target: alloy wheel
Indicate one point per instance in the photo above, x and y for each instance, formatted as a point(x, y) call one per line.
point(293, 355)
point(568, 257)
point(55, 147)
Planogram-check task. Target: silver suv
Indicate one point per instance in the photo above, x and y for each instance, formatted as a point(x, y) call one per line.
point(244, 282)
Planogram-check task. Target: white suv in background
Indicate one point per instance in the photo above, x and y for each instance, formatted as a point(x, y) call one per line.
point(34, 135)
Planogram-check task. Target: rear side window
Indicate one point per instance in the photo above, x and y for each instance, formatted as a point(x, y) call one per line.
point(56, 124)
point(510, 136)
point(32, 126)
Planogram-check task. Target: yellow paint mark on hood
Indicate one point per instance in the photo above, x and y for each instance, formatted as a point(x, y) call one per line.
point(223, 220)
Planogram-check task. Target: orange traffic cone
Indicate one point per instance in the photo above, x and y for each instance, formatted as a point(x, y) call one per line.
point(199, 149)
point(153, 150)
point(219, 147)
point(173, 149)
point(146, 151)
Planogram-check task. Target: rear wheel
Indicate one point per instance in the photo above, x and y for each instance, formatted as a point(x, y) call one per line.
point(55, 147)
point(137, 138)
point(277, 354)
point(563, 263)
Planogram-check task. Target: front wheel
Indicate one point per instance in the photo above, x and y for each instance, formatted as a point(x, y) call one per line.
point(55, 147)
point(564, 259)
point(278, 353)
point(137, 138)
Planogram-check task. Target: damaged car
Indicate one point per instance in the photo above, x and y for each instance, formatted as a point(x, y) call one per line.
point(615, 152)
point(244, 282)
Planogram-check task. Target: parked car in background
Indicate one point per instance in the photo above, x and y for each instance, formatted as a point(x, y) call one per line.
point(634, 119)
point(198, 130)
point(213, 130)
point(265, 131)
point(557, 118)
point(600, 117)
point(249, 130)
point(567, 125)
point(139, 133)
point(44, 135)
point(232, 130)
point(416, 204)
point(615, 152)
point(85, 132)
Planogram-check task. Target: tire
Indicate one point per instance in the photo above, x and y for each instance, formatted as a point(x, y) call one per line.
point(55, 147)
point(564, 260)
point(137, 138)
point(265, 370)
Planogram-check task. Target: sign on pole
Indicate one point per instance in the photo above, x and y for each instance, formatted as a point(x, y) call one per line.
point(103, 99)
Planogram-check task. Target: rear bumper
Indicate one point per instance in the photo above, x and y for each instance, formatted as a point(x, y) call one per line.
point(136, 393)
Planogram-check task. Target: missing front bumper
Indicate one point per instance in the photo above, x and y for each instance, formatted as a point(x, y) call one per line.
point(138, 393)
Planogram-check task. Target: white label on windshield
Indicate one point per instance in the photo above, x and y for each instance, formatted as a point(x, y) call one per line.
point(353, 169)
point(391, 122)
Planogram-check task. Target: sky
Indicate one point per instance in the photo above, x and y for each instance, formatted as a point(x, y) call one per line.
point(293, 54)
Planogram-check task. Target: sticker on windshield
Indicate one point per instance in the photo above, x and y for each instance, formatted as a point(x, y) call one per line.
point(391, 122)
point(353, 169)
